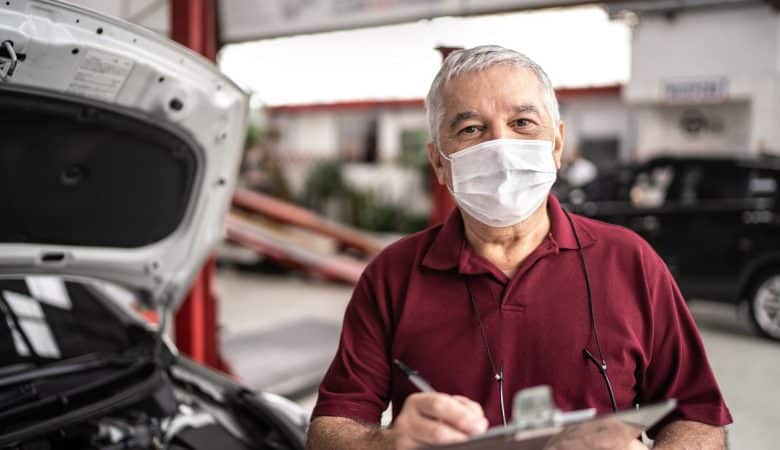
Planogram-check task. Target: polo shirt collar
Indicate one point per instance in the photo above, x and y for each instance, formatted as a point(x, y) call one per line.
point(444, 253)
point(448, 248)
point(560, 229)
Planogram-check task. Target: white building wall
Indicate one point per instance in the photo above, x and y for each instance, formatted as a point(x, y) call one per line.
point(662, 133)
point(391, 124)
point(596, 117)
point(391, 183)
point(304, 141)
point(307, 137)
point(765, 111)
point(740, 46)
point(738, 42)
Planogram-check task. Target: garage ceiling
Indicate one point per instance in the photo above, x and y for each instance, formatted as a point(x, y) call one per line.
point(246, 20)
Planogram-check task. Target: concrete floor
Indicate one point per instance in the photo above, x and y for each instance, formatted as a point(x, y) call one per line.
point(747, 367)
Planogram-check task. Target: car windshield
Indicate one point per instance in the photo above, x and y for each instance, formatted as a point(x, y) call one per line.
point(49, 319)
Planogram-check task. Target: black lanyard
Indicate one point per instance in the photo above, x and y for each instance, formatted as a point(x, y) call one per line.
point(497, 371)
point(601, 365)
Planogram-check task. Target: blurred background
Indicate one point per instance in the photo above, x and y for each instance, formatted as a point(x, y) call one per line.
point(671, 111)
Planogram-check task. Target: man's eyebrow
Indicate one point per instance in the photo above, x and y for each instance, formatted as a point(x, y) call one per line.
point(461, 116)
point(517, 109)
point(526, 108)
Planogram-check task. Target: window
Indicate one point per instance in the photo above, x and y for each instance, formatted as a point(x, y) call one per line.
point(357, 137)
point(693, 182)
point(720, 182)
point(651, 186)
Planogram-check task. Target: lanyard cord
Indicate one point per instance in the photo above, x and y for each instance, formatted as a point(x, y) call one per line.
point(602, 366)
point(499, 374)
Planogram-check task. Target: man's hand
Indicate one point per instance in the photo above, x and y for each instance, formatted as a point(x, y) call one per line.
point(602, 434)
point(425, 419)
point(434, 418)
point(636, 445)
point(688, 434)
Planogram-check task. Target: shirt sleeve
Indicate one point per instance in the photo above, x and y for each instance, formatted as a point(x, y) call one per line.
point(357, 383)
point(678, 367)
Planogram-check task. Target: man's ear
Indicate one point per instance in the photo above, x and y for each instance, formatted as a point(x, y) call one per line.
point(436, 163)
point(558, 145)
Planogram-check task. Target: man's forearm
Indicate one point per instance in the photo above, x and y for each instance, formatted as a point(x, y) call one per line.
point(689, 435)
point(337, 433)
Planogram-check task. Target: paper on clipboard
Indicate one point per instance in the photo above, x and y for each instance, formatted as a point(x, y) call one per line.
point(608, 431)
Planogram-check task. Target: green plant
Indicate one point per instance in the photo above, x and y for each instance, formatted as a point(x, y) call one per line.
point(323, 182)
point(366, 210)
point(413, 149)
point(254, 136)
point(369, 212)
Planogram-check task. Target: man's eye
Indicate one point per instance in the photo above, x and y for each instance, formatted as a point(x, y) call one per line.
point(523, 123)
point(471, 129)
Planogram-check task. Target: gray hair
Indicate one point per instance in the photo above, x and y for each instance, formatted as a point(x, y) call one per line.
point(478, 59)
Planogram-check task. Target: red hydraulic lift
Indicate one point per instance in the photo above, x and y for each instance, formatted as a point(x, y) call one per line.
point(194, 24)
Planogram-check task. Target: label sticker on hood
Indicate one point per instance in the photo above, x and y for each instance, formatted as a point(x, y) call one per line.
point(100, 75)
point(49, 290)
point(34, 326)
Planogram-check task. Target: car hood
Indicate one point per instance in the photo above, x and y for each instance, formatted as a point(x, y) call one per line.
point(118, 151)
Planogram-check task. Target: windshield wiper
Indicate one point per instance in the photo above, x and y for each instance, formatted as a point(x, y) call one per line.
point(18, 395)
point(66, 368)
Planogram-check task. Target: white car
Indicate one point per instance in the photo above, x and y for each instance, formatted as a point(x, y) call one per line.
point(118, 155)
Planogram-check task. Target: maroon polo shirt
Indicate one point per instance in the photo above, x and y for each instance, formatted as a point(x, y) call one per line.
point(412, 304)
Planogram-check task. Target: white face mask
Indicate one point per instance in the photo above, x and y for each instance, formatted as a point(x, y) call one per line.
point(503, 181)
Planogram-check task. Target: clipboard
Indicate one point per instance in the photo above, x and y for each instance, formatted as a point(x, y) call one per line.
point(548, 429)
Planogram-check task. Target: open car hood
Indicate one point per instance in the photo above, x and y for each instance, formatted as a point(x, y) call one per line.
point(118, 150)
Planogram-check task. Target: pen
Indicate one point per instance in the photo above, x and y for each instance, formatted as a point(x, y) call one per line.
point(414, 377)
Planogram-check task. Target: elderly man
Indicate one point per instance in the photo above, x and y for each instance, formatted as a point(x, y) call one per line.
point(511, 291)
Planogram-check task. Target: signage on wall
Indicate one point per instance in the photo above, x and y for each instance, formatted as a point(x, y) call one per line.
point(695, 122)
point(695, 90)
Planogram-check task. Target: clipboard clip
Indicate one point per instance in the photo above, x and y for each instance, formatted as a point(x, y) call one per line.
point(534, 408)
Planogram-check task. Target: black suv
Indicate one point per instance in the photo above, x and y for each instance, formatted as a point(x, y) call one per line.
point(714, 220)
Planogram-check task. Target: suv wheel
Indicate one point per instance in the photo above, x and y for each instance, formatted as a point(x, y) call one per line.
point(765, 304)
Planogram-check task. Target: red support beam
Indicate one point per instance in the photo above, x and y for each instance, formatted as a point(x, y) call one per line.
point(194, 25)
point(285, 212)
point(251, 235)
point(196, 321)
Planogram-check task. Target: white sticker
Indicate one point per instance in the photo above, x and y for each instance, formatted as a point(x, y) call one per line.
point(41, 338)
point(49, 290)
point(30, 315)
point(19, 344)
point(24, 306)
point(100, 75)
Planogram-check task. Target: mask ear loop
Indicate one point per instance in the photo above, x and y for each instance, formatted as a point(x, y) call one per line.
point(441, 153)
point(447, 158)
point(602, 366)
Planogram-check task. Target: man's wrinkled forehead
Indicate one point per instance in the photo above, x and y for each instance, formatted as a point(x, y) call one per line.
point(518, 88)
